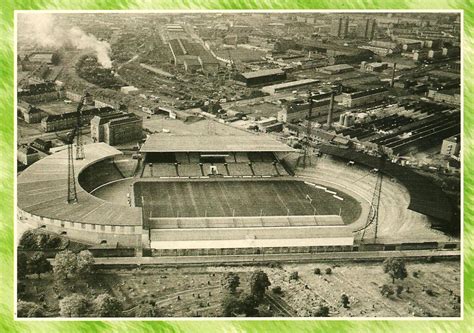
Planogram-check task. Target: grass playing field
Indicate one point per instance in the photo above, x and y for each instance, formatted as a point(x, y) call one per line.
point(242, 198)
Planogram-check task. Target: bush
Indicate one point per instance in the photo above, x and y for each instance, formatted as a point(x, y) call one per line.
point(277, 290)
point(29, 309)
point(321, 311)
point(328, 270)
point(39, 240)
point(345, 300)
point(317, 271)
point(74, 305)
point(399, 290)
point(386, 290)
point(294, 276)
point(107, 306)
point(430, 292)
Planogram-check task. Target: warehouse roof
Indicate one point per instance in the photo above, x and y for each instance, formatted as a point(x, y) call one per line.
point(264, 72)
point(213, 143)
point(335, 68)
point(291, 84)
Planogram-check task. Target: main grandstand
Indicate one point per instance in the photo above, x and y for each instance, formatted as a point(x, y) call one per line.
point(233, 192)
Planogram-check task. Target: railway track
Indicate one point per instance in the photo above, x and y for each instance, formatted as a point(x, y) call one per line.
point(280, 306)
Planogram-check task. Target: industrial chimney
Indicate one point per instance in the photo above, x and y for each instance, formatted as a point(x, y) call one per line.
point(331, 109)
point(393, 74)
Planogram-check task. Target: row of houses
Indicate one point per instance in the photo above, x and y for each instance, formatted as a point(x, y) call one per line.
point(59, 122)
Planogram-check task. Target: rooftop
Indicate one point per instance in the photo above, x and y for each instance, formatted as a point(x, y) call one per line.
point(292, 84)
point(264, 72)
point(213, 143)
point(337, 67)
point(42, 191)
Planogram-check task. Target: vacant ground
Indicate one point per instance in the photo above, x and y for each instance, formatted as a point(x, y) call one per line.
point(269, 198)
point(58, 107)
point(200, 294)
point(362, 283)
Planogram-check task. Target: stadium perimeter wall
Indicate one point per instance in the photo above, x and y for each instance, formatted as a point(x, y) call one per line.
point(126, 236)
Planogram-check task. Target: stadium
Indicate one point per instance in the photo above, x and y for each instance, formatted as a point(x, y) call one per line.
point(213, 195)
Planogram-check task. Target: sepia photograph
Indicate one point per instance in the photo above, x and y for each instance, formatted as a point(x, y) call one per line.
point(238, 164)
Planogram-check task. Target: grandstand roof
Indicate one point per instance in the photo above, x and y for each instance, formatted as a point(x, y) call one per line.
point(159, 143)
point(250, 237)
point(42, 191)
point(245, 221)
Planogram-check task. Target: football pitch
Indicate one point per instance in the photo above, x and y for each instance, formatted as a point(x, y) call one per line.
point(240, 198)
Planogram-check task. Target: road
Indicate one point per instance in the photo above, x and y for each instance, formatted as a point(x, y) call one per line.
point(290, 257)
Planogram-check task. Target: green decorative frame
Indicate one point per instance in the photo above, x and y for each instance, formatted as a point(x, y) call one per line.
point(7, 147)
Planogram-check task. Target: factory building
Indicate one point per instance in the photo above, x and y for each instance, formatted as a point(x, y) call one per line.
point(116, 128)
point(369, 96)
point(297, 110)
point(262, 77)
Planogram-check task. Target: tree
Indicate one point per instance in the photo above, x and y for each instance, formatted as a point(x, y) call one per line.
point(386, 290)
point(107, 306)
point(259, 282)
point(28, 240)
point(231, 306)
point(395, 268)
point(345, 300)
point(74, 305)
point(65, 264)
point(321, 311)
point(21, 265)
point(85, 263)
point(55, 59)
point(29, 309)
point(249, 304)
point(39, 264)
point(328, 270)
point(317, 271)
point(230, 282)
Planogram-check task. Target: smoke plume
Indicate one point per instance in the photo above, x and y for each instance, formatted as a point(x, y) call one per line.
point(44, 31)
